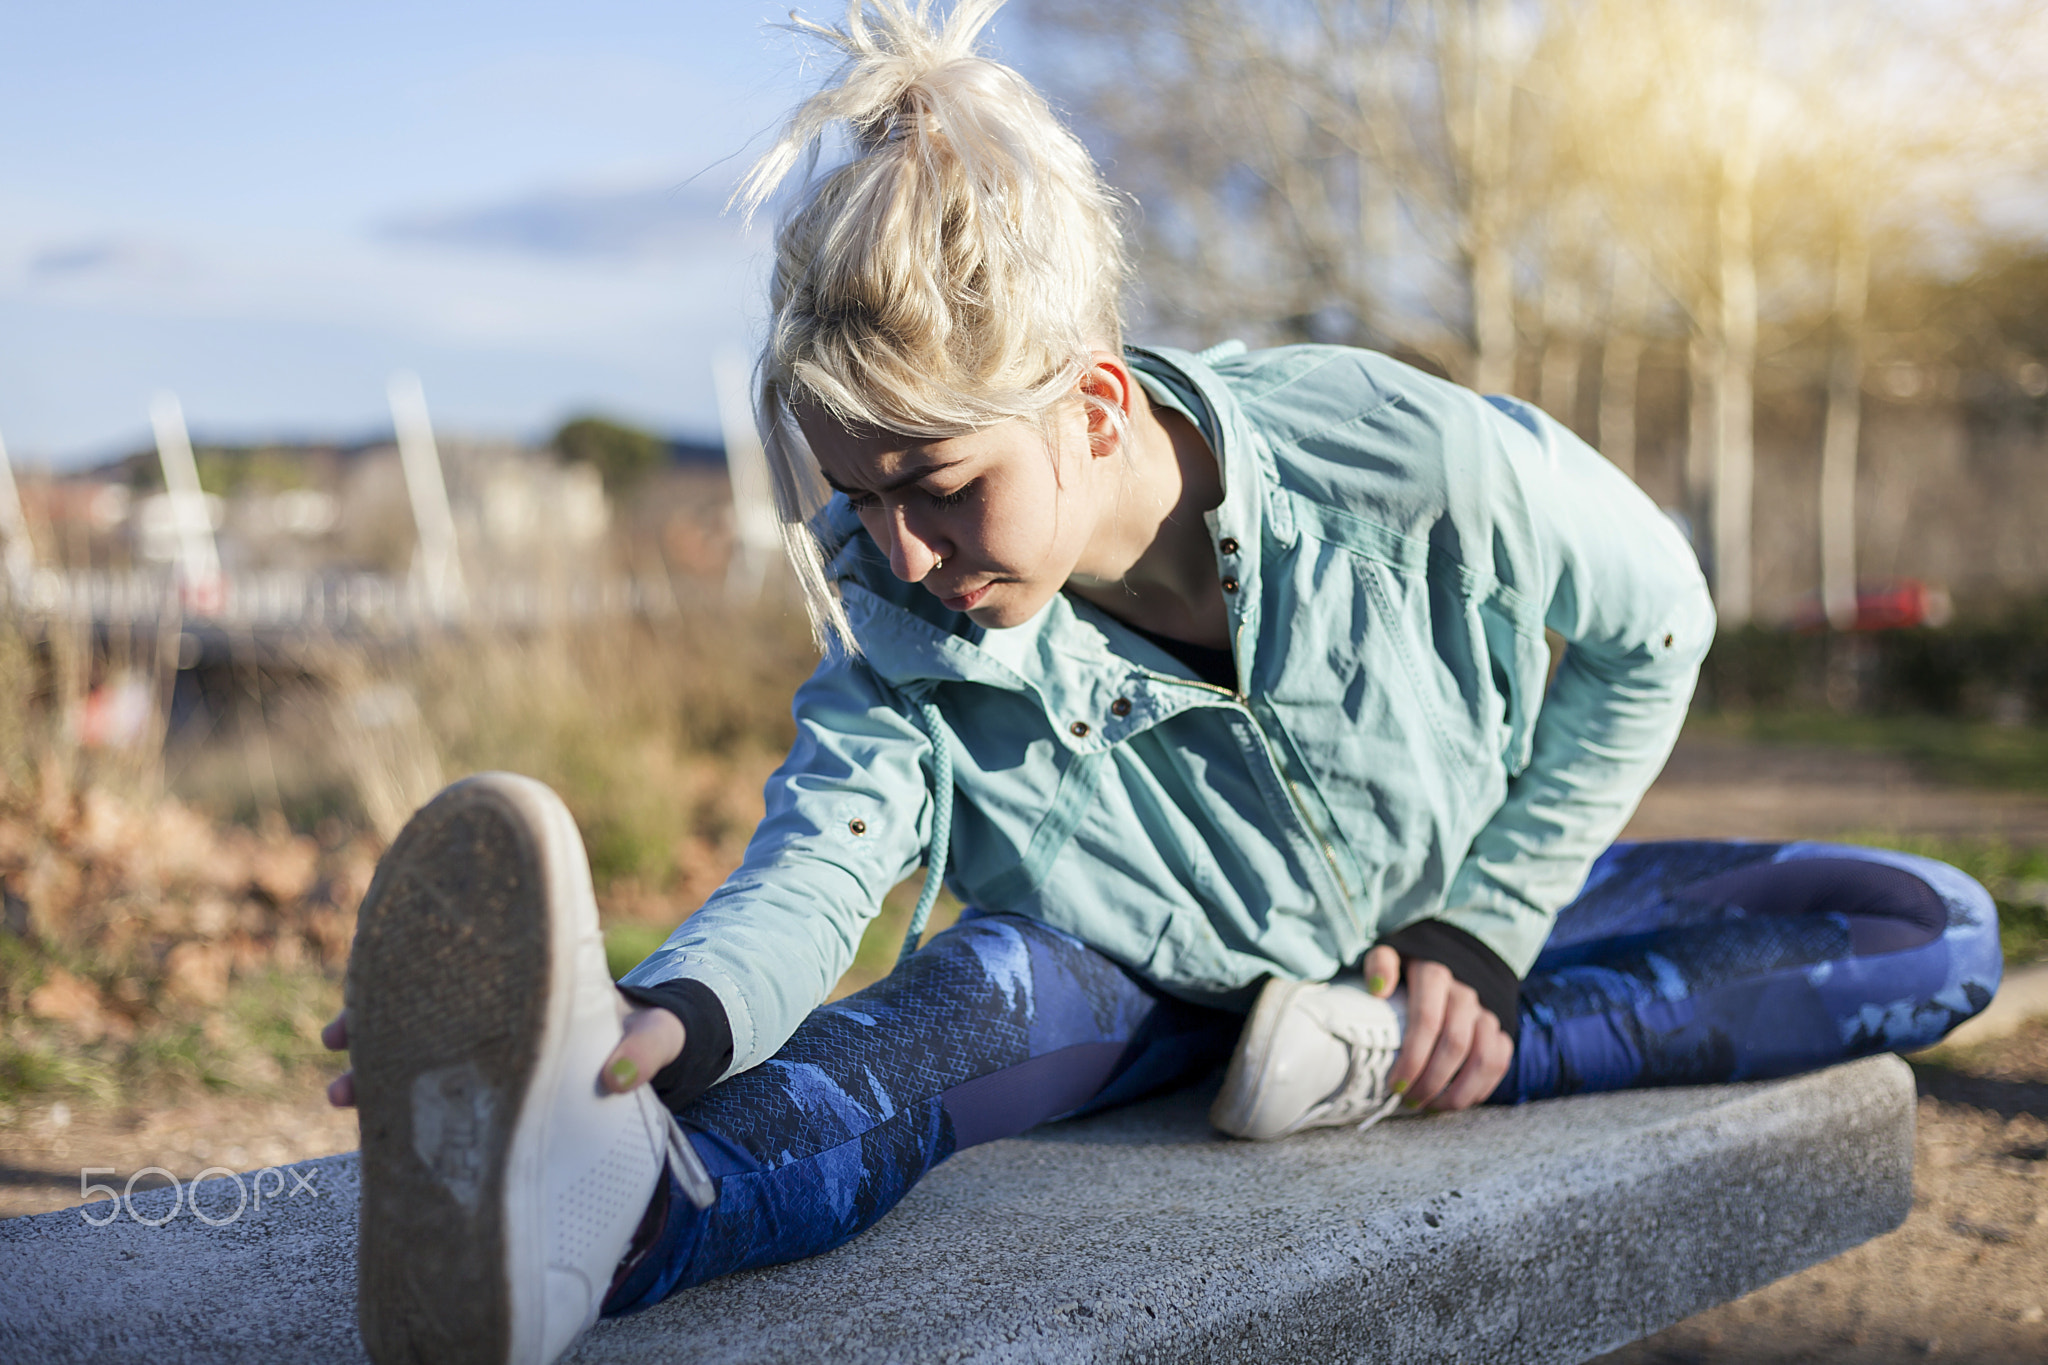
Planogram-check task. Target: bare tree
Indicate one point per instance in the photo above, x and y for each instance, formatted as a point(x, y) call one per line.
point(1319, 168)
point(1456, 178)
point(1842, 429)
point(1892, 165)
point(1570, 264)
point(1476, 65)
point(1621, 360)
point(1666, 102)
point(1735, 333)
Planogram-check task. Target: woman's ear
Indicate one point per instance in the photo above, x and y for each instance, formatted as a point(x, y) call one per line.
point(1108, 391)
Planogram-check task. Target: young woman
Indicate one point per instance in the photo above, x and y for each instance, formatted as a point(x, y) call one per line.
point(1212, 683)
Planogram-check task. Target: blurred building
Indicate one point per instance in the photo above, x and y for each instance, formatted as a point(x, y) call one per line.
point(517, 509)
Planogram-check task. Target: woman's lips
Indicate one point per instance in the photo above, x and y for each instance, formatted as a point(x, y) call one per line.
point(967, 601)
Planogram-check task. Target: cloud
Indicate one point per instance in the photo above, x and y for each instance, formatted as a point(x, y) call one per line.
point(658, 221)
point(100, 256)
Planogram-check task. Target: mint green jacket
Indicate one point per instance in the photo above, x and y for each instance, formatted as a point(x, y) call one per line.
point(1391, 548)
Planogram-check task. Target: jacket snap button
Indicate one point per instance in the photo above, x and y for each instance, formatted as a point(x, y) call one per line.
point(1667, 642)
point(1228, 545)
point(857, 826)
point(1230, 585)
point(1079, 729)
point(1120, 707)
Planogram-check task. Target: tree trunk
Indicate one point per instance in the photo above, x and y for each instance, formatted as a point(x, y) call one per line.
point(1734, 407)
point(1621, 363)
point(1564, 329)
point(1379, 207)
point(1702, 430)
point(1844, 425)
point(1492, 272)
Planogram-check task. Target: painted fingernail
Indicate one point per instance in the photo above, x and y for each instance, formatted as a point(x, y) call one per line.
point(1375, 984)
point(624, 1073)
point(1400, 1087)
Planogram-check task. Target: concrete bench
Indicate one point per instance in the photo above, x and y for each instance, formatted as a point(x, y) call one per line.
point(1552, 1232)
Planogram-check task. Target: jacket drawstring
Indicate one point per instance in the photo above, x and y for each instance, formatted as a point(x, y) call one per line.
point(942, 823)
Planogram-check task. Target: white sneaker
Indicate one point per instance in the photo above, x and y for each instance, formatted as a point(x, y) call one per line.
point(501, 1183)
point(1312, 1055)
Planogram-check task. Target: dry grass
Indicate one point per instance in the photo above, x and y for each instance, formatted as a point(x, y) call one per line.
point(148, 950)
point(658, 736)
point(182, 923)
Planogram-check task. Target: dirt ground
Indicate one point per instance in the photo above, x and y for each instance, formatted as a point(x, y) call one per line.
point(1729, 789)
point(43, 1148)
point(1966, 1278)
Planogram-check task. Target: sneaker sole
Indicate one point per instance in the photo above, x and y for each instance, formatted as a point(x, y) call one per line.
point(1245, 1078)
point(456, 983)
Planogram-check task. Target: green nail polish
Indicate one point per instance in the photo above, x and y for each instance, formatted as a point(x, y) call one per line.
point(624, 1073)
point(1375, 984)
point(1400, 1087)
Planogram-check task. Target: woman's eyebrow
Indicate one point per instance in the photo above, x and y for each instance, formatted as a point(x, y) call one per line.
point(902, 481)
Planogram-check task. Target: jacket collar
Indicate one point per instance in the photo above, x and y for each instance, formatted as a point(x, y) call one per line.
point(1251, 510)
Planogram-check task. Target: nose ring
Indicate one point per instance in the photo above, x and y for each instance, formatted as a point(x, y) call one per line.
point(937, 563)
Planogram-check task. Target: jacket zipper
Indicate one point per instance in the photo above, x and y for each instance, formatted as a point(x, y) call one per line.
point(1293, 791)
point(1300, 806)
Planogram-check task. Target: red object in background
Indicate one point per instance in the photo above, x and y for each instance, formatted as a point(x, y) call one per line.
point(204, 595)
point(1900, 604)
point(117, 713)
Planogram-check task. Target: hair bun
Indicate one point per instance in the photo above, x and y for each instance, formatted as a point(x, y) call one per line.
point(885, 86)
point(956, 271)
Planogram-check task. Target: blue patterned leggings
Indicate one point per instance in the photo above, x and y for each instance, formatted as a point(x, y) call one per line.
point(1679, 963)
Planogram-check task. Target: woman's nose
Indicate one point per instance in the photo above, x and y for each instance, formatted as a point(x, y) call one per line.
point(911, 555)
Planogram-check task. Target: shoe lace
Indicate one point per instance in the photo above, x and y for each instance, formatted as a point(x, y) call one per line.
point(1364, 1094)
point(688, 1167)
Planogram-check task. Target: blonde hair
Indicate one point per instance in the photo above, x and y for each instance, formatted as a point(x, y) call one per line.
point(953, 273)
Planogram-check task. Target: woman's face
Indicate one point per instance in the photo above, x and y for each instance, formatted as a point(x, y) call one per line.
point(992, 523)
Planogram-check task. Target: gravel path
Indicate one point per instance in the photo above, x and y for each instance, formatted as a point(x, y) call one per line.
point(1966, 1277)
point(1728, 789)
point(44, 1146)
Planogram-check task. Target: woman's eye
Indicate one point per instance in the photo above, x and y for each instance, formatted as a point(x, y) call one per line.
point(868, 502)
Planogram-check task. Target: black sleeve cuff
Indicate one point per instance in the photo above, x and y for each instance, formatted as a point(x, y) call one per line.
point(707, 1038)
point(1470, 961)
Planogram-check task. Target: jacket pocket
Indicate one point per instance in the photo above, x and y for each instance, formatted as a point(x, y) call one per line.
point(1188, 955)
point(1016, 884)
point(1438, 637)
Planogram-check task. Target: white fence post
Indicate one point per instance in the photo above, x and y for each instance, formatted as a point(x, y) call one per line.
point(19, 551)
point(438, 566)
point(756, 528)
point(198, 562)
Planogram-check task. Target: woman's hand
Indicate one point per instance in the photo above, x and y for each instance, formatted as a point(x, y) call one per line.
point(1455, 1052)
point(341, 1091)
point(653, 1039)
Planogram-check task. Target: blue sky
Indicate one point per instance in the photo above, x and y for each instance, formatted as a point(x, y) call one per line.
point(267, 207)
